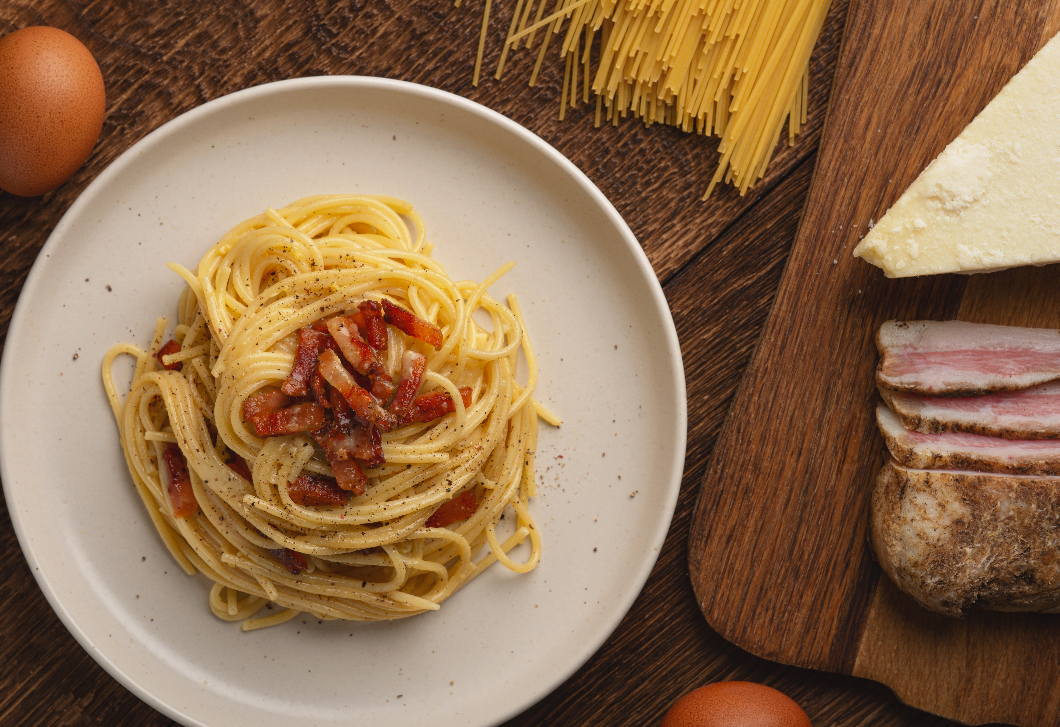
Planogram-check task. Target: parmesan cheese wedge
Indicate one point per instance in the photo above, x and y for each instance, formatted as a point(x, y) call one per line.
point(991, 200)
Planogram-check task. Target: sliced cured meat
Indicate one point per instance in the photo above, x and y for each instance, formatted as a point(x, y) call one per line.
point(957, 540)
point(961, 451)
point(954, 358)
point(339, 446)
point(382, 386)
point(361, 356)
point(319, 389)
point(345, 419)
point(239, 465)
point(1032, 413)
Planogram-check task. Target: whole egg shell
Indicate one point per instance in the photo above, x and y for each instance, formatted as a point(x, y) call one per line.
point(735, 704)
point(52, 103)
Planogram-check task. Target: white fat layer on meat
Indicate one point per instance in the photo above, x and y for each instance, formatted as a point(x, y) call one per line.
point(927, 519)
point(903, 347)
point(953, 540)
point(960, 335)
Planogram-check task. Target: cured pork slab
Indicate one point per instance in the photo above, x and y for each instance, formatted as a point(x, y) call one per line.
point(954, 358)
point(954, 540)
point(1032, 413)
point(961, 451)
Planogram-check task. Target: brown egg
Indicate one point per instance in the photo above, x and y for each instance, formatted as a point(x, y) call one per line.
point(735, 704)
point(52, 103)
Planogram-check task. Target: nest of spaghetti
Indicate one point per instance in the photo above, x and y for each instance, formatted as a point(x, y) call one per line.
point(335, 426)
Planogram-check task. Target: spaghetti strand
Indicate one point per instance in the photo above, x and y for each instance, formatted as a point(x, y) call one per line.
point(406, 540)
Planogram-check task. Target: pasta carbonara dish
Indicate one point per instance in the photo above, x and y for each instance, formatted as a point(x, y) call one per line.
point(331, 428)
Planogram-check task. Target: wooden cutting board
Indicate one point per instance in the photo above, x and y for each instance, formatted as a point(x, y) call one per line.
point(778, 553)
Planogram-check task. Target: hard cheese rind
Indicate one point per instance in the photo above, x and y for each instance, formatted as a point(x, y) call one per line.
point(991, 200)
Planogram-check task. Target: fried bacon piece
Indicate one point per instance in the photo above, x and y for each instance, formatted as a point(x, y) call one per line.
point(428, 407)
point(412, 367)
point(345, 419)
point(364, 406)
point(358, 318)
point(319, 389)
point(373, 332)
point(268, 413)
point(330, 345)
point(361, 380)
point(292, 560)
point(335, 373)
point(181, 496)
point(339, 446)
point(354, 348)
point(169, 347)
point(314, 490)
point(374, 325)
point(349, 475)
point(293, 419)
point(239, 465)
point(375, 458)
point(459, 508)
point(339, 370)
point(310, 344)
point(382, 386)
point(360, 355)
point(368, 409)
point(264, 401)
point(349, 454)
point(411, 324)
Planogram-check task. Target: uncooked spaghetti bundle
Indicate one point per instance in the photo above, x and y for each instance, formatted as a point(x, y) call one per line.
point(738, 69)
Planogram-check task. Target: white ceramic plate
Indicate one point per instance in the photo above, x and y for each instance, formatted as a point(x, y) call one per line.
point(489, 191)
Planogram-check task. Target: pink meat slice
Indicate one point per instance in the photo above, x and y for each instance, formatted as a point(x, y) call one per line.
point(967, 452)
point(1032, 413)
point(955, 358)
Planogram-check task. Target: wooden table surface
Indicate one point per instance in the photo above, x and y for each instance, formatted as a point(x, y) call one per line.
point(720, 263)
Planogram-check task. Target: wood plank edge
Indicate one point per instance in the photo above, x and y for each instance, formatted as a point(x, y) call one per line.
point(844, 661)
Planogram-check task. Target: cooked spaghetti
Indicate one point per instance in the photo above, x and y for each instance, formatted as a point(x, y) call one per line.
point(330, 429)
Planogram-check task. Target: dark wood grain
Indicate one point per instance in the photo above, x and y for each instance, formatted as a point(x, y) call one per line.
point(721, 262)
point(799, 451)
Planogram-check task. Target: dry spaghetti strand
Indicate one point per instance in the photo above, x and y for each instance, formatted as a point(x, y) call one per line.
point(736, 68)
